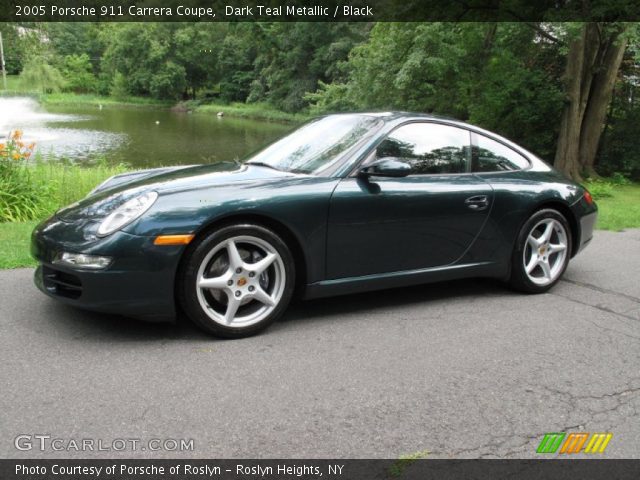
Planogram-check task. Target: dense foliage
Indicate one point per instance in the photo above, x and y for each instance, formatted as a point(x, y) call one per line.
point(507, 77)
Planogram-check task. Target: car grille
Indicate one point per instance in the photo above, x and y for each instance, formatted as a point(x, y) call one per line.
point(61, 283)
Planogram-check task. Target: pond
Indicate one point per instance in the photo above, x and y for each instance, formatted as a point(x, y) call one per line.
point(139, 136)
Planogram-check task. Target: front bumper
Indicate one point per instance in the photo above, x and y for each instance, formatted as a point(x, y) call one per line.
point(139, 282)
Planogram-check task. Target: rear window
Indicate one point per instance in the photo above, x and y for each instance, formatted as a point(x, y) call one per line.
point(492, 156)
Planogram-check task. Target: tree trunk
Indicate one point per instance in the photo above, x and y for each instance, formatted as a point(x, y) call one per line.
point(602, 91)
point(592, 66)
point(577, 81)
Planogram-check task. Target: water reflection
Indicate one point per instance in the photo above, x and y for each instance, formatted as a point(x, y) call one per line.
point(141, 136)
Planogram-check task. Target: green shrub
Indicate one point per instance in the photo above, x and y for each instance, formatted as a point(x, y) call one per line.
point(22, 198)
point(78, 74)
point(605, 187)
point(600, 189)
point(619, 179)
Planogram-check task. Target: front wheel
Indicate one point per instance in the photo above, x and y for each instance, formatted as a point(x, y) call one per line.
point(237, 281)
point(542, 252)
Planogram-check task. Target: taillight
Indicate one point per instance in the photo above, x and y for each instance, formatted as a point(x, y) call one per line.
point(587, 196)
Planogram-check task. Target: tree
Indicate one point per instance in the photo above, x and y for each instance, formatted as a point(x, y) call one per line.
point(144, 54)
point(13, 48)
point(197, 48)
point(39, 70)
point(619, 150)
point(292, 58)
point(593, 61)
point(77, 71)
point(39, 74)
point(168, 81)
point(236, 61)
point(514, 86)
point(75, 38)
point(501, 76)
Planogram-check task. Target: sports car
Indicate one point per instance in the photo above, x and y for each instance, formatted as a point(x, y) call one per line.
point(344, 204)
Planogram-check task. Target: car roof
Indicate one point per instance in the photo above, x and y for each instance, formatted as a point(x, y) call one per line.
point(393, 118)
point(396, 115)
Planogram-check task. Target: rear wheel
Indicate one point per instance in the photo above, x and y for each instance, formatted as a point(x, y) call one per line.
point(542, 252)
point(237, 281)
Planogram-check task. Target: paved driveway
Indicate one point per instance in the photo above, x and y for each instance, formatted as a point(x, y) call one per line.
point(462, 369)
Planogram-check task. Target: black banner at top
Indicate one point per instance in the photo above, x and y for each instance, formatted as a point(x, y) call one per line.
point(317, 10)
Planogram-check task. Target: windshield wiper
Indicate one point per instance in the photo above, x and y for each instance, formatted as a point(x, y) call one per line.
point(263, 164)
point(300, 171)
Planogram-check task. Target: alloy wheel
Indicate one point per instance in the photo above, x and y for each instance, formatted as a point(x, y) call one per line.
point(240, 281)
point(545, 252)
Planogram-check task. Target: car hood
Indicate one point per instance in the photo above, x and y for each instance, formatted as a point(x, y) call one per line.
point(114, 192)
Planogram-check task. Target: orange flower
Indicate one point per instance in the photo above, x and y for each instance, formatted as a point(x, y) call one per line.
point(32, 146)
point(1, 146)
point(20, 144)
point(26, 154)
point(16, 156)
point(17, 134)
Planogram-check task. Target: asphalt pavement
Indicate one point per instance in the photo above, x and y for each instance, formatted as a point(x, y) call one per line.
point(456, 370)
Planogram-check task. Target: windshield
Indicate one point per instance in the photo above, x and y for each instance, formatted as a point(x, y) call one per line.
point(317, 145)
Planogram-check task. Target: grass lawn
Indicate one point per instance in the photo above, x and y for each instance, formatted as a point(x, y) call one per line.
point(14, 244)
point(258, 111)
point(621, 209)
point(91, 99)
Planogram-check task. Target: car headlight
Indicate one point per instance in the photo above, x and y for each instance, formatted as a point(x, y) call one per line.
point(126, 213)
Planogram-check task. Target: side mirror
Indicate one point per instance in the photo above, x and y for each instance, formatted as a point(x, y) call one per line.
point(386, 167)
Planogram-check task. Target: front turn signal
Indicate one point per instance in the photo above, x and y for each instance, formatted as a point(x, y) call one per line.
point(173, 239)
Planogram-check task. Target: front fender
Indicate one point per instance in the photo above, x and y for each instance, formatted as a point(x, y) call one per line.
point(300, 204)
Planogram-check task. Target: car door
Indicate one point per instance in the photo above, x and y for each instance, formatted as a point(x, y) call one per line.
point(427, 219)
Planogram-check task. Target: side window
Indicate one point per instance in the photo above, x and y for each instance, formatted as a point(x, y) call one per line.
point(492, 156)
point(428, 147)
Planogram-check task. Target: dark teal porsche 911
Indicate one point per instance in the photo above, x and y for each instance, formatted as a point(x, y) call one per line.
point(344, 204)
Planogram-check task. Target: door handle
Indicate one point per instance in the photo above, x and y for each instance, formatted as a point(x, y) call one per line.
point(478, 202)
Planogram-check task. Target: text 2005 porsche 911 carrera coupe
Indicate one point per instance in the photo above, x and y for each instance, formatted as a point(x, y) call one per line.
point(346, 203)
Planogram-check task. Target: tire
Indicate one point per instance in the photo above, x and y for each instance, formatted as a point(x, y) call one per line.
point(541, 253)
point(237, 280)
